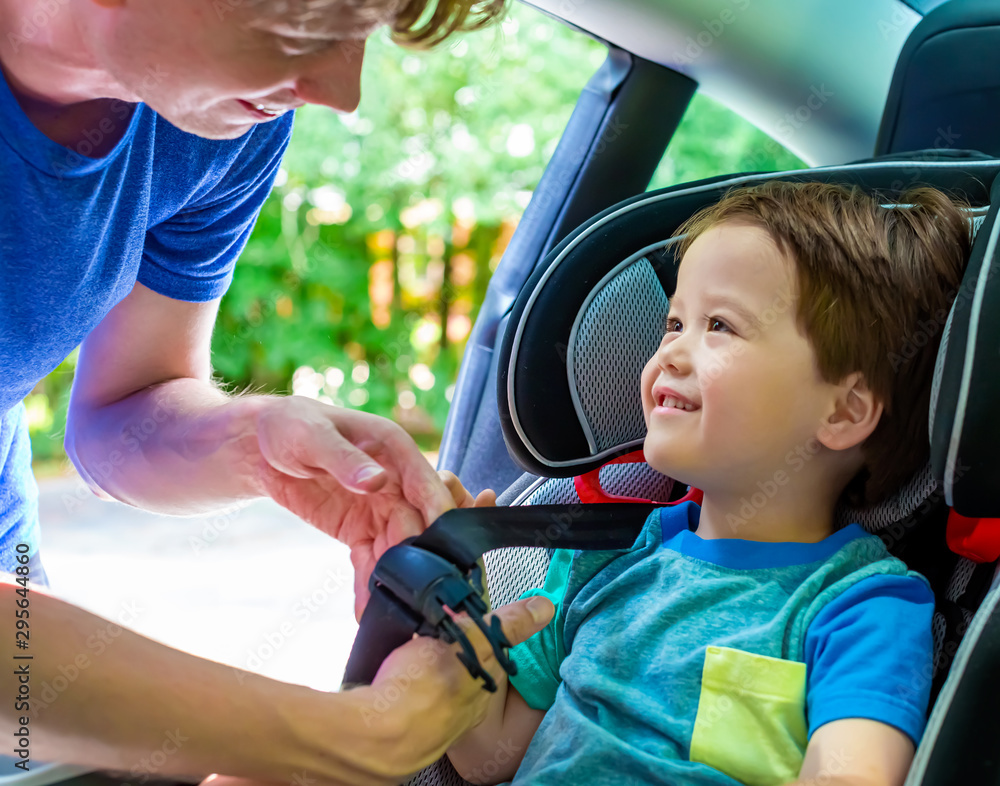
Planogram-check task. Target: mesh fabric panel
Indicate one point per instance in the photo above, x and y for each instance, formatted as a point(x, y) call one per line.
point(977, 223)
point(892, 509)
point(440, 773)
point(619, 331)
point(960, 578)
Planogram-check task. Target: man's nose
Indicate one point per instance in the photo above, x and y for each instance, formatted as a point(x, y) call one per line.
point(334, 80)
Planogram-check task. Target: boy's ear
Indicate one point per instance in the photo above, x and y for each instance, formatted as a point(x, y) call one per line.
point(854, 417)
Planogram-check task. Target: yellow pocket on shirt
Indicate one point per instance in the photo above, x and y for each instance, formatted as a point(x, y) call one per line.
point(751, 721)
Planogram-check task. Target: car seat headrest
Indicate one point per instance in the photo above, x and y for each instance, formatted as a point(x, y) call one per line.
point(592, 314)
point(945, 90)
point(964, 422)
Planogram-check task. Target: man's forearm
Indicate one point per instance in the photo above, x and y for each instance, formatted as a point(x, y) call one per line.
point(141, 707)
point(179, 447)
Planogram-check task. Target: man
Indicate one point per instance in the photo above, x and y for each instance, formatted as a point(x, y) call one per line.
point(138, 140)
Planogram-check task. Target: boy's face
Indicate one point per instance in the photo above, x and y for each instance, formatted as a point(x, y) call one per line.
point(751, 377)
point(203, 66)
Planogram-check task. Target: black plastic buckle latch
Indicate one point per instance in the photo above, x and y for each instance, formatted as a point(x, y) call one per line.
point(424, 583)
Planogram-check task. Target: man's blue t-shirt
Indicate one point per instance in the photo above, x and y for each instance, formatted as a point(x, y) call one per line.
point(164, 207)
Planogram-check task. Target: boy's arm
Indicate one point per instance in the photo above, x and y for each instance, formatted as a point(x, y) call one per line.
point(492, 751)
point(856, 752)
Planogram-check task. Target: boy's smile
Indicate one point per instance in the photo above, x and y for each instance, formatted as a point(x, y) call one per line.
point(734, 387)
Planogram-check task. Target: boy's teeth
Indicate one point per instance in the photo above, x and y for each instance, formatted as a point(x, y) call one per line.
point(673, 402)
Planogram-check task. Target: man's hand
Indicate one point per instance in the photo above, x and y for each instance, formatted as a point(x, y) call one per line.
point(147, 427)
point(358, 477)
point(436, 701)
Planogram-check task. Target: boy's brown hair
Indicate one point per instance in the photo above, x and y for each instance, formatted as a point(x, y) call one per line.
point(875, 284)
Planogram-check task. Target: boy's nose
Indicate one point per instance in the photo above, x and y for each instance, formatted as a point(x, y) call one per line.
point(673, 355)
point(335, 79)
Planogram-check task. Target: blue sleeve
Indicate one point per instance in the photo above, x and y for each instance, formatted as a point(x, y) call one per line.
point(191, 255)
point(538, 659)
point(869, 654)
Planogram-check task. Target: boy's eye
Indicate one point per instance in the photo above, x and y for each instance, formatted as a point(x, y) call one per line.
point(712, 321)
point(672, 324)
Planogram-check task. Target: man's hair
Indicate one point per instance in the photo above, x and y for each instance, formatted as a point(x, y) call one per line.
point(416, 23)
point(426, 23)
point(875, 284)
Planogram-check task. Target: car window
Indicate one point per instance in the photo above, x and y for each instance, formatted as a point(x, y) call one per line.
point(713, 140)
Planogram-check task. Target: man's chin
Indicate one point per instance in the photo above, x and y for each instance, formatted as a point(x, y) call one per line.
point(208, 129)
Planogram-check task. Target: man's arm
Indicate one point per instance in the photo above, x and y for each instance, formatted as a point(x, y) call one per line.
point(856, 752)
point(132, 697)
point(147, 427)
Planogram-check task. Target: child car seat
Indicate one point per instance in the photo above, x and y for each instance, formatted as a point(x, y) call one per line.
point(592, 314)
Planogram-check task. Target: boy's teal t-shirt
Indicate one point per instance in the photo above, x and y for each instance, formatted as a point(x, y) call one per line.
point(689, 661)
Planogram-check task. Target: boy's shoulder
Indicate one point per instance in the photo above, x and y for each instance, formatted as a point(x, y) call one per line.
point(864, 555)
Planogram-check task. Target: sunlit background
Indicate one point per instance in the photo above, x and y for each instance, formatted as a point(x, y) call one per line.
point(359, 287)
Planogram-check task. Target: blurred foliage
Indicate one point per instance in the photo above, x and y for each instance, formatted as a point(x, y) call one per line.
point(368, 263)
point(712, 140)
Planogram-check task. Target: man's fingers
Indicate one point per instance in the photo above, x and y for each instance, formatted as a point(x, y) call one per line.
point(352, 467)
point(398, 453)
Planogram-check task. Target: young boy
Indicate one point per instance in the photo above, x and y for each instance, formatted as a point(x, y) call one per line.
point(750, 640)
